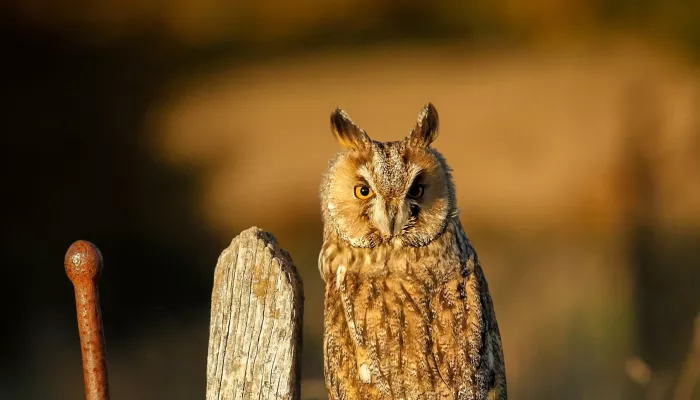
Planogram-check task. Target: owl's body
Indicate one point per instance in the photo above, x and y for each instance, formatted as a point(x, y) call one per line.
point(408, 314)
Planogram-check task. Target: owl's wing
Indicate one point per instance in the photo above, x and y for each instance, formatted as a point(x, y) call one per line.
point(466, 344)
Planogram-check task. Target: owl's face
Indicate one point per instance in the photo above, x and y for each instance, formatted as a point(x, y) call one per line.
point(394, 192)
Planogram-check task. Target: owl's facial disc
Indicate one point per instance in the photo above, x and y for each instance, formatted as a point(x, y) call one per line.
point(388, 192)
point(399, 192)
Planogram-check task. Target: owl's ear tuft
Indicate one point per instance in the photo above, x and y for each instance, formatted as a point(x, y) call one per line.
point(349, 135)
point(426, 129)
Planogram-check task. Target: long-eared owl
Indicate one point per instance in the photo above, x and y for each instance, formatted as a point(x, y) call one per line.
point(408, 313)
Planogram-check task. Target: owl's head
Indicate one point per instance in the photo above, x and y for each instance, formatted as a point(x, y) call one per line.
point(394, 192)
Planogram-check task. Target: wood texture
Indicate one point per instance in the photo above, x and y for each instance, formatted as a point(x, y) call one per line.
point(255, 328)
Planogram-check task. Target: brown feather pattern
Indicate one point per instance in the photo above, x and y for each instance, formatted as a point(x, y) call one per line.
point(408, 313)
point(421, 322)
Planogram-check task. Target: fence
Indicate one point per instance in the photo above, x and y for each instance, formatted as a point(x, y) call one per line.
point(257, 306)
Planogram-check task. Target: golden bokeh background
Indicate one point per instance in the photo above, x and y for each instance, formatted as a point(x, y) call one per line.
point(160, 129)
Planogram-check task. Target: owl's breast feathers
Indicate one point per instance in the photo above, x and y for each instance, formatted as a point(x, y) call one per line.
point(410, 322)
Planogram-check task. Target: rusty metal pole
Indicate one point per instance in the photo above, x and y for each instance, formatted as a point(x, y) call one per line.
point(83, 265)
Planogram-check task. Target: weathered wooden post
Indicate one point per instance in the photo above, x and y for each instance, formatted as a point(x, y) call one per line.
point(256, 319)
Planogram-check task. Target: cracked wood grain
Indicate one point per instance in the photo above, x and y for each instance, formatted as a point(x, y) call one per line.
point(255, 327)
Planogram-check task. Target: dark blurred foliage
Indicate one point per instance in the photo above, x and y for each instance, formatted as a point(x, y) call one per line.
point(74, 167)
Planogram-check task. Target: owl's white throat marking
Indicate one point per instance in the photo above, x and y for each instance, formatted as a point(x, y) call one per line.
point(365, 373)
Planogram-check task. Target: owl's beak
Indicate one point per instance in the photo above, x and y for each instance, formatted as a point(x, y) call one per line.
point(386, 224)
point(397, 223)
point(394, 222)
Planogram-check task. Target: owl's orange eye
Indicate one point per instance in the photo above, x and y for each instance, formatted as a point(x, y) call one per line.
point(416, 191)
point(363, 192)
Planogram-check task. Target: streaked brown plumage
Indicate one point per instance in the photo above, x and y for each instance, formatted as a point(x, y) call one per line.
point(408, 314)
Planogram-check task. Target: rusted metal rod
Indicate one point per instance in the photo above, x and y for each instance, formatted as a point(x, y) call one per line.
point(83, 265)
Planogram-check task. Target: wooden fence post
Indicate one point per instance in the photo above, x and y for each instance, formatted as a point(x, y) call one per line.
point(256, 318)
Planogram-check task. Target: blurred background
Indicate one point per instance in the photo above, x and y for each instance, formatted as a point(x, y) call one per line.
point(160, 129)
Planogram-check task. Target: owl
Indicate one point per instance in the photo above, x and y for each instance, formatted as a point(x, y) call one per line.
point(407, 310)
